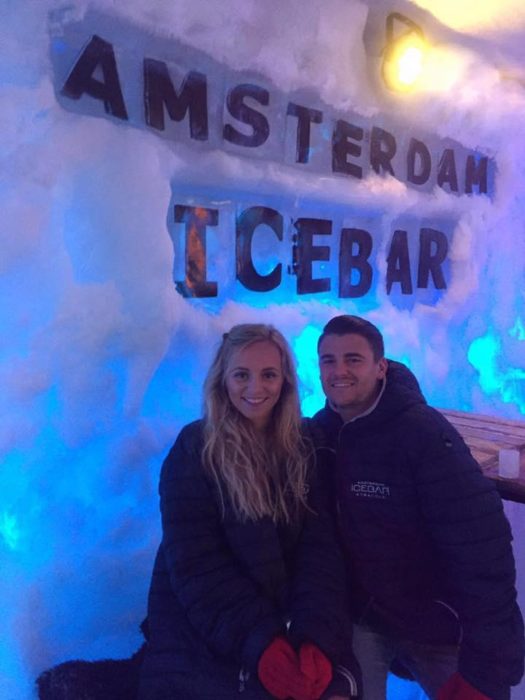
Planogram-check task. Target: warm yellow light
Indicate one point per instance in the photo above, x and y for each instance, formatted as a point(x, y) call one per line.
point(403, 62)
point(444, 68)
point(410, 64)
point(475, 16)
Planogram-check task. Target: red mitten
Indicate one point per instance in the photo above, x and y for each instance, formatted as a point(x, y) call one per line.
point(279, 672)
point(314, 664)
point(457, 688)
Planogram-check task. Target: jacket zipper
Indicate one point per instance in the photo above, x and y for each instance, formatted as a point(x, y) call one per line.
point(351, 680)
point(243, 679)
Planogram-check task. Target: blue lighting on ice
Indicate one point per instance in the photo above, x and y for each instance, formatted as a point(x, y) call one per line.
point(305, 349)
point(508, 383)
point(9, 530)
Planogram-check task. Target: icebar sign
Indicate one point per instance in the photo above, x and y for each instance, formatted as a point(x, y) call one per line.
point(243, 242)
point(106, 68)
point(323, 256)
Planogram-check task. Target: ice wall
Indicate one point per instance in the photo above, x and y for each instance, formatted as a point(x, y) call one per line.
point(101, 359)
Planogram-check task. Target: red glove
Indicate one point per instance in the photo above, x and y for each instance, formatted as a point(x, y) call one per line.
point(457, 688)
point(279, 672)
point(315, 666)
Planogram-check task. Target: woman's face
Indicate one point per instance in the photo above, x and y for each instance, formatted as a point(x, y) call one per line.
point(254, 380)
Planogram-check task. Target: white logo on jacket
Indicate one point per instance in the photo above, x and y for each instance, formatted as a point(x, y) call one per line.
point(370, 489)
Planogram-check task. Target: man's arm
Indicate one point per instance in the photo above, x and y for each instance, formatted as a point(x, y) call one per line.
point(472, 538)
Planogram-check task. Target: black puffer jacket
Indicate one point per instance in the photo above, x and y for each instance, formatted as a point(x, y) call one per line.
point(222, 590)
point(424, 532)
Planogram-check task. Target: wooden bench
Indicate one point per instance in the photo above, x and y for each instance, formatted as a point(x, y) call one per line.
point(486, 436)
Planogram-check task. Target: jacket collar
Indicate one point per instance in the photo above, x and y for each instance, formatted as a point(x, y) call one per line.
point(400, 391)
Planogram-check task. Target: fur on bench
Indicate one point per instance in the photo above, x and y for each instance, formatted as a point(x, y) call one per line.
point(110, 679)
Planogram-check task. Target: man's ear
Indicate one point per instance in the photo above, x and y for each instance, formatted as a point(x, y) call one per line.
point(383, 366)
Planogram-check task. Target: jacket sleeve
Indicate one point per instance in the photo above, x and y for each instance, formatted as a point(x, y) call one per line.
point(222, 604)
point(472, 537)
point(319, 611)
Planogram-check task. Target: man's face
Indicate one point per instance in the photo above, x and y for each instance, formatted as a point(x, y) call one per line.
point(350, 376)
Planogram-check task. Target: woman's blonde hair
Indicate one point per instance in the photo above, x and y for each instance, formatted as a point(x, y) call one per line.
point(262, 476)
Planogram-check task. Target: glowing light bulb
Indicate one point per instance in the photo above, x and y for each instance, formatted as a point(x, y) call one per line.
point(404, 61)
point(405, 53)
point(410, 65)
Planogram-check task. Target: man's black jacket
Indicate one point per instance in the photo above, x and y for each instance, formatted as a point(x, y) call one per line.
point(425, 533)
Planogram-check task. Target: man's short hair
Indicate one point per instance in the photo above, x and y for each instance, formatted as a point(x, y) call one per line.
point(346, 324)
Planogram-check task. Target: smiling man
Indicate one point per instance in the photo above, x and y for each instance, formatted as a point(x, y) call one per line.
point(431, 569)
point(352, 373)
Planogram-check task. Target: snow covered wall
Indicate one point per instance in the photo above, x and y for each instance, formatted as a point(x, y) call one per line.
point(132, 236)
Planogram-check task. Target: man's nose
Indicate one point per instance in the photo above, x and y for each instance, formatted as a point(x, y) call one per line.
point(340, 367)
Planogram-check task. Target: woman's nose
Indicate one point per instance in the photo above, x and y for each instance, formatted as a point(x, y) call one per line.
point(254, 385)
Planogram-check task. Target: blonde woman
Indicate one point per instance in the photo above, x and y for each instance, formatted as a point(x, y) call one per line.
point(247, 593)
